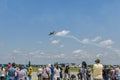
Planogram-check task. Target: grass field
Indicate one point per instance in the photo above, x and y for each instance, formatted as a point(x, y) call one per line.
point(72, 69)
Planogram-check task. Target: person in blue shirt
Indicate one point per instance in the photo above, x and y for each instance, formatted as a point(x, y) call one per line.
point(25, 70)
point(12, 72)
point(52, 72)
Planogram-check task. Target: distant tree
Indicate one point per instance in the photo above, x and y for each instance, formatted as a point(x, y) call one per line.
point(56, 63)
point(29, 64)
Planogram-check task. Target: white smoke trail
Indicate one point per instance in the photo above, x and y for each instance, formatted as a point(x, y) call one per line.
point(92, 43)
point(75, 38)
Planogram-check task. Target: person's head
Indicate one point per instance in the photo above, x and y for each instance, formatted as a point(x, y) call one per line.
point(113, 67)
point(25, 66)
point(57, 66)
point(21, 67)
point(13, 64)
point(9, 65)
point(49, 65)
point(97, 61)
point(30, 68)
point(67, 66)
point(84, 64)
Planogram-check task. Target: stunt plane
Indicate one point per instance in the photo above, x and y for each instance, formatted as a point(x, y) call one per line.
point(52, 33)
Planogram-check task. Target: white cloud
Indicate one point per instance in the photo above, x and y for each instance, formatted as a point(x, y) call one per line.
point(31, 53)
point(85, 41)
point(58, 56)
point(98, 38)
point(61, 46)
point(80, 53)
point(106, 42)
point(77, 51)
point(99, 55)
point(117, 51)
point(102, 55)
point(62, 33)
point(42, 53)
point(35, 52)
point(55, 41)
point(18, 51)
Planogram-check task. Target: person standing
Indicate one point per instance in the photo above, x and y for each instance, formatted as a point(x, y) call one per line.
point(52, 72)
point(25, 71)
point(21, 73)
point(61, 73)
point(2, 73)
point(97, 70)
point(106, 73)
point(12, 72)
point(84, 70)
point(79, 75)
point(67, 72)
point(46, 73)
point(57, 73)
point(30, 73)
point(39, 73)
point(6, 70)
point(117, 72)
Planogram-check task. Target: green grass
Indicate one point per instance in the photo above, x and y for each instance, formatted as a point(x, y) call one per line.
point(72, 69)
point(35, 69)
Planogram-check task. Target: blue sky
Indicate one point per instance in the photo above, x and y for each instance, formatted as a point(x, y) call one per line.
point(86, 30)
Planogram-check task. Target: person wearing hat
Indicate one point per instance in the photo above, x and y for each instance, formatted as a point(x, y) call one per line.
point(97, 70)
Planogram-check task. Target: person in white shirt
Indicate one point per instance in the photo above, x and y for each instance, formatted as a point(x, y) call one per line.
point(2, 73)
point(39, 73)
point(97, 70)
point(57, 73)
